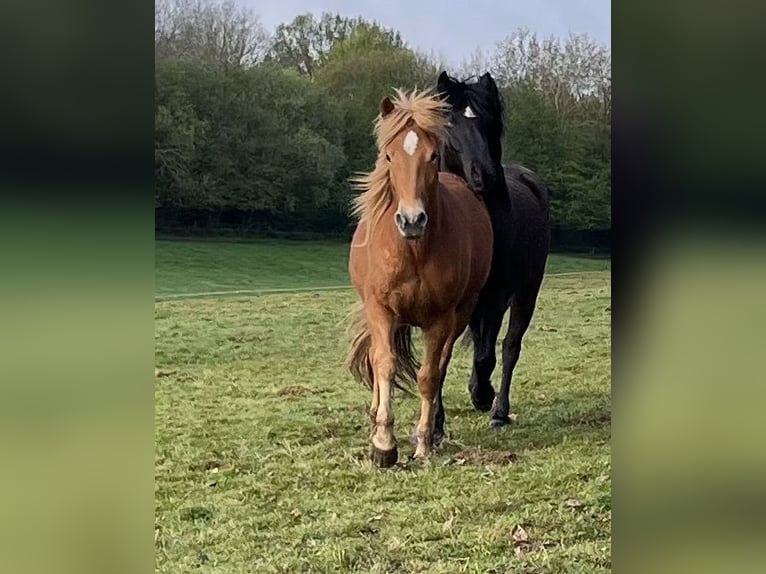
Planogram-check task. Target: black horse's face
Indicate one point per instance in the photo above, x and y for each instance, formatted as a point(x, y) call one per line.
point(473, 149)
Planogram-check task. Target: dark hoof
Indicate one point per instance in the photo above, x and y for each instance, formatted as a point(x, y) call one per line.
point(497, 422)
point(438, 440)
point(482, 398)
point(384, 458)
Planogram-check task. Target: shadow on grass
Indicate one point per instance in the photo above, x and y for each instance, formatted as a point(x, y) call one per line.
point(575, 416)
point(571, 415)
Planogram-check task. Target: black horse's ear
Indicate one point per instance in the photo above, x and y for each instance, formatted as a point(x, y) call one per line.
point(488, 81)
point(386, 107)
point(443, 83)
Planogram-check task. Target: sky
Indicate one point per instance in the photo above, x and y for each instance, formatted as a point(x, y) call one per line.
point(454, 29)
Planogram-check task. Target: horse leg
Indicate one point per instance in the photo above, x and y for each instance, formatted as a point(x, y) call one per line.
point(436, 340)
point(383, 450)
point(439, 418)
point(522, 308)
point(485, 326)
point(375, 403)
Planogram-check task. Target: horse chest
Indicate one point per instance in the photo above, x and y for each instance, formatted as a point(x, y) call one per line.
point(409, 295)
point(415, 296)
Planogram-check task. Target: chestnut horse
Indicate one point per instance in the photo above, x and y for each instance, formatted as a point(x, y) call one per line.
point(419, 257)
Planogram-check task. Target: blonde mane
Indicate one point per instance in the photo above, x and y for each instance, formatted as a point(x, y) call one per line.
point(427, 111)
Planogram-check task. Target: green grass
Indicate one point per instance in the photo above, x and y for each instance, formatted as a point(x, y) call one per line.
point(203, 266)
point(199, 266)
point(261, 440)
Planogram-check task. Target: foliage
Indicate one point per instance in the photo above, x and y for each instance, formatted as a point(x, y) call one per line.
point(558, 95)
point(266, 130)
point(208, 32)
point(358, 73)
point(255, 139)
point(304, 43)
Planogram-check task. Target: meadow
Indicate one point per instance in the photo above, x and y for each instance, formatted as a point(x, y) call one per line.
point(261, 436)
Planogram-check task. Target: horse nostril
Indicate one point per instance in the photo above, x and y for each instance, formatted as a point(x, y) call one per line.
point(420, 220)
point(399, 219)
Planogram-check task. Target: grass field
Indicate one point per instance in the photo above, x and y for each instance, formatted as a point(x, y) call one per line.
point(261, 436)
point(204, 266)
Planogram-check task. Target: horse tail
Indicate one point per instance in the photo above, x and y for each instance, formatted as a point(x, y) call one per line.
point(359, 363)
point(405, 363)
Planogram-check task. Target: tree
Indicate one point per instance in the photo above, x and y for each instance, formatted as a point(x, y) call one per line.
point(558, 94)
point(276, 146)
point(179, 134)
point(304, 43)
point(211, 31)
point(564, 71)
point(359, 72)
point(475, 65)
point(272, 140)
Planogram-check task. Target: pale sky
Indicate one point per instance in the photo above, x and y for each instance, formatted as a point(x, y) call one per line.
point(453, 29)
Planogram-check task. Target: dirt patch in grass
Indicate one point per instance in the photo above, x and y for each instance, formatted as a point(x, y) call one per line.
point(480, 456)
point(596, 419)
point(600, 419)
point(293, 391)
point(196, 513)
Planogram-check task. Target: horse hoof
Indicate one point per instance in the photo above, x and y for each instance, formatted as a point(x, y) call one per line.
point(482, 397)
point(497, 422)
point(384, 458)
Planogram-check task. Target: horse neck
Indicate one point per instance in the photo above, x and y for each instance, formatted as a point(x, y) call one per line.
point(499, 191)
point(498, 196)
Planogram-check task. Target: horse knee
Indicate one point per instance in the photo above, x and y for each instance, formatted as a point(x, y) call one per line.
point(485, 360)
point(428, 383)
point(383, 362)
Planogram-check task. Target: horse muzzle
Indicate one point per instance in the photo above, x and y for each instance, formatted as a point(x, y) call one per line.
point(411, 225)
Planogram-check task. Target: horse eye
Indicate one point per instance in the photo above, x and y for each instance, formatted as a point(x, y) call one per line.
point(434, 156)
point(388, 158)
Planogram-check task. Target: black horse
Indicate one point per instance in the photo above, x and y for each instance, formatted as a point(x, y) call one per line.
point(517, 201)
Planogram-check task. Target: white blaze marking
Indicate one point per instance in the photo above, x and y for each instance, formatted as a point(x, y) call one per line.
point(469, 112)
point(411, 142)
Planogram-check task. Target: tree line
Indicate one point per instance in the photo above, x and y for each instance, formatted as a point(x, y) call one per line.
point(259, 132)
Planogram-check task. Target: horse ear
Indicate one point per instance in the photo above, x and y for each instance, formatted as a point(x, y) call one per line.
point(443, 83)
point(488, 82)
point(386, 106)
